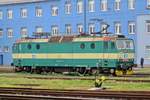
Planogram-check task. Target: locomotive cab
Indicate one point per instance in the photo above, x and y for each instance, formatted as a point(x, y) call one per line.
point(125, 49)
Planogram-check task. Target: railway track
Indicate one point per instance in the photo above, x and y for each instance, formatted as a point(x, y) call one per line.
point(45, 94)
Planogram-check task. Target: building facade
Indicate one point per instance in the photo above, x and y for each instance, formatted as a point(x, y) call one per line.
point(68, 17)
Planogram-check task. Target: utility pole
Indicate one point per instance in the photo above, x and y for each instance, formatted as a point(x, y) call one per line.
point(85, 16)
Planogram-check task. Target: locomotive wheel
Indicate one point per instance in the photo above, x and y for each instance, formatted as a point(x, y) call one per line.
point(118, 72)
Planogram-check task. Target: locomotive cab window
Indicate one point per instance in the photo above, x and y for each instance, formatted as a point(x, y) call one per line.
point(38, 46)
point(29, 46)
point(93, 46)
point(82, 46)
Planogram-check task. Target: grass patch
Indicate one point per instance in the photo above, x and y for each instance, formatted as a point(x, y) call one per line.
point(19, 80)
point(71, 84)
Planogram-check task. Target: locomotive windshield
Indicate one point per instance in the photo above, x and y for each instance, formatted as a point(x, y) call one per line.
point(125, 44)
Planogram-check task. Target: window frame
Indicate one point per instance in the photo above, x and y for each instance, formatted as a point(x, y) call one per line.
point(117, 5)
point(9, 14)
point(118, 29)
point(6, 49)
point(148, 4)
point(54, 10)
point(1, 14)
point(80, 28)
point(104, 5)
point(147, 52)
point(148, 26)
point(1, 33)
point(68, 7)
point(24, 13)
point(39, 29)
point(54, 30)
point(68, 29)
point(24, 31)
point(131, 4)
point(9, 32)
point(91, 28)
point(103, 25)
point(91, 5)
point(131, 24)
point(38, 12)
point(79, 6)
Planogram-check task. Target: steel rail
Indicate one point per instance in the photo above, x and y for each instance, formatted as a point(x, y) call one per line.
point(138, 95)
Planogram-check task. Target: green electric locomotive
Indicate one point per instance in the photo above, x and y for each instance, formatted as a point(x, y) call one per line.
point(82, 53)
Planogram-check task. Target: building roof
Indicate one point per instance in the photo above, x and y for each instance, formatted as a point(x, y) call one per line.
point(3, 2)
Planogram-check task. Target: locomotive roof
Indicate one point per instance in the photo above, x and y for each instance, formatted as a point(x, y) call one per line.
point(72, 38)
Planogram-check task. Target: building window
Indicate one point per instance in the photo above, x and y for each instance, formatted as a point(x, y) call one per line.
point(38, 12)
point(55, 30)
point(68, 7)
point(80, 28)
point(23, 13)
point(104, 5)
point(39, 29)
point(148, 26)
point(6, 49)
point(117, 28)
point(91, 28)
point(148, 3)
point(24, 32)
point(147, 52)
point(68, 28)
point(1, 50)
point(79, 6)
point(131, 4)
point(9, 14)
point(117, 4)
point(103, 27)
point(54, 11)
point(1, 33)
point(1, 14)
point(91, 5)
point(10, 32)
point(131, 27)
